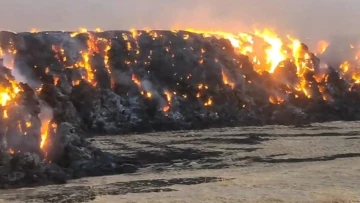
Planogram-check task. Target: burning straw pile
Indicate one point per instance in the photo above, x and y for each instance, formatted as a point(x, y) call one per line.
point(59, 86)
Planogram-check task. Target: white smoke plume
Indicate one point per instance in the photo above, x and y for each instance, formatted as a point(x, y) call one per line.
point(307, 19)
point(148, 87)
point(46, 113)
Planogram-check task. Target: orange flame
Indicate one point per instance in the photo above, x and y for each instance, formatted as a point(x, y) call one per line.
point(168, 98)
point(226, 80)
point(136, 81)
point(276, 100)
point(44, 133)
point(322, 46)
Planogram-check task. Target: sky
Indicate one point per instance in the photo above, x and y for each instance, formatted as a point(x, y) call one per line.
point(316, 19)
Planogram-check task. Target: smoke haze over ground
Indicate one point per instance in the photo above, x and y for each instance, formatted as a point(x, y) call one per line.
point(306, 19)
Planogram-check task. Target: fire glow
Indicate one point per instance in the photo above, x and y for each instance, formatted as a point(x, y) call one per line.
point(267, 52)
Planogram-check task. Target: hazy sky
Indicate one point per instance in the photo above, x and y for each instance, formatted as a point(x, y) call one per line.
point(304, 18)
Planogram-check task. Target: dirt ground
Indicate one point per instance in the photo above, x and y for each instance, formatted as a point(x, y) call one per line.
point(318, 163)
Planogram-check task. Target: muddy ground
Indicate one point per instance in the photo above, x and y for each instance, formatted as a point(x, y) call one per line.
point(318, 163)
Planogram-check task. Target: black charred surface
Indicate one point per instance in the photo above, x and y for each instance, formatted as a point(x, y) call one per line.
point(107, 100)
point(120, 82)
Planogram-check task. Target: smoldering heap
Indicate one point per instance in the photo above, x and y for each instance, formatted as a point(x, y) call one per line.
point(137, 81)
point(33, 152)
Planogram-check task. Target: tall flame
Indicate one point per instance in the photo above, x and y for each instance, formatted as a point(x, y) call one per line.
point(45, 129)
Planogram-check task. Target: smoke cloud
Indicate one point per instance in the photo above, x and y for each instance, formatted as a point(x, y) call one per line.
point(317, 19)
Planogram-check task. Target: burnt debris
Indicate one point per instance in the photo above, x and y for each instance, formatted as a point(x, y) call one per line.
point(63, 87)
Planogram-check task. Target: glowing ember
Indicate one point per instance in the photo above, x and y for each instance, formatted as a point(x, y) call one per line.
point(11, 151)
point(166, 108)
point(208, 103)
point(76, 82)
point(276, 100)
point(148, 94)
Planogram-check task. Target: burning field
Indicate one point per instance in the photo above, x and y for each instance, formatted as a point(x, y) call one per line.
point(57, 88)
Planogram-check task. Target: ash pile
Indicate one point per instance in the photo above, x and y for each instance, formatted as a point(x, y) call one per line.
point(61, 86)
